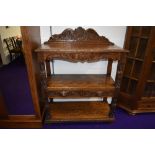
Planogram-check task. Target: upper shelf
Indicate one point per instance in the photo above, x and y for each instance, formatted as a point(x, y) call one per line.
point(79, 40)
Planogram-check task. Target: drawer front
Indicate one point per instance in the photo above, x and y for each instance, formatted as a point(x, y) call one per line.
point(79, 93)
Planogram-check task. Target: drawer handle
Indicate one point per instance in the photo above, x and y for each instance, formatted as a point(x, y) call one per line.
point(99, 93)
point(64, 93)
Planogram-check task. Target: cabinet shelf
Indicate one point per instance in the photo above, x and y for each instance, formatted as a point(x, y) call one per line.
point(151, 81)
point(133, 58)
point(149, 90)
point(142, 37)
point(130, 77)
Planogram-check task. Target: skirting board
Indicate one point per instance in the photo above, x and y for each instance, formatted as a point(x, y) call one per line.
point(21, 121)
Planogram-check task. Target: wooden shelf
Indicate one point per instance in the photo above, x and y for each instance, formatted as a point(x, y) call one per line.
point(130, 77)
point(78, 111)
point(151, 81)
point(139, 36)
point(134, 58)
point(148, 99)
point(78, 81)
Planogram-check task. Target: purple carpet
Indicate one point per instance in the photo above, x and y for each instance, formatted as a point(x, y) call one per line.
point(15, 88)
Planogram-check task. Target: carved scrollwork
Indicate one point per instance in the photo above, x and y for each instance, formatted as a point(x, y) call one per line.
point(119, 75)
point(43, 81)
point(81, 93)
point(79, 34)
point(42, 67)
point(81, 57)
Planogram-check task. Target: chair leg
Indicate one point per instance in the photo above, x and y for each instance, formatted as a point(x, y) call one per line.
point(10, 57)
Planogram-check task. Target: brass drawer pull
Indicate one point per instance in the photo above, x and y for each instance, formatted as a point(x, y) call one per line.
point(64, 93)
point(99, 93)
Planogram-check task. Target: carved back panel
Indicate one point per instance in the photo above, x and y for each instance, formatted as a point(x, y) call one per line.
point(79, 45)
point(79, 35)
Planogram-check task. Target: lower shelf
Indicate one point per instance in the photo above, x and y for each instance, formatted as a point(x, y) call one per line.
point(77, 112)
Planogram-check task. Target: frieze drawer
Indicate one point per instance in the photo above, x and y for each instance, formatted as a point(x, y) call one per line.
point(81, 93)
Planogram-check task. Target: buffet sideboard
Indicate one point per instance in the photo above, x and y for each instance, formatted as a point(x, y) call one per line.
point(79, 45)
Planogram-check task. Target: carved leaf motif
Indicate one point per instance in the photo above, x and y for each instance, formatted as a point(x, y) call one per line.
point(73, 57)
point(79, 34)
point(81, 93)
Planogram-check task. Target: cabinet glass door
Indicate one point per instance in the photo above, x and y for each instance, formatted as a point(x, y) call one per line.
point(149, 90)
point(137, 46)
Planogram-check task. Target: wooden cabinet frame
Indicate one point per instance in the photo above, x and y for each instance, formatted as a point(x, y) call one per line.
point(136, 101)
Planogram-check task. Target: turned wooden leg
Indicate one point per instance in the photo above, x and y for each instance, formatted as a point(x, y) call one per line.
point(112, 107)
point(10, 57)
point(43, 85)
point(48, 68)
point(104, 99)
point(119, 75)
point(50, 100)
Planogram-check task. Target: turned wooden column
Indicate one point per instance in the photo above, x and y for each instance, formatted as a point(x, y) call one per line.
point(109, 69)
point(48, 70)
point(43, 82)
point(118, 79)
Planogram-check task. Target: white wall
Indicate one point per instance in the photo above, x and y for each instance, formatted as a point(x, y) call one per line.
point(115, 34)
point(44, 33)
point(5, 33)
